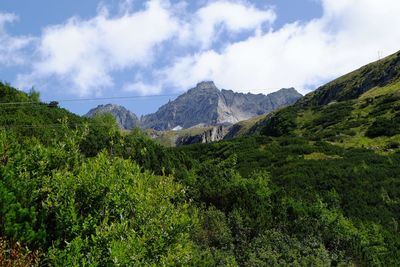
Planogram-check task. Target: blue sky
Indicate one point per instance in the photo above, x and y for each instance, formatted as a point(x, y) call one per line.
point(69, 49)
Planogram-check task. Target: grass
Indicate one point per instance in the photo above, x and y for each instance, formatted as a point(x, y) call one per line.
point(380, 91)
point(348, 128)
point(320, 156)
point(246, 125)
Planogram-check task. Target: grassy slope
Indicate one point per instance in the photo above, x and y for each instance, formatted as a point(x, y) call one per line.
point(354, 84)
point(325, 147)
point(344, 111)
point(244, 128)
point(348, 123)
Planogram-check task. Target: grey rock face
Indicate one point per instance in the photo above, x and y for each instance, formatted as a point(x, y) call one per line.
point(125, 119)
point(207, 105)
point(214, 134)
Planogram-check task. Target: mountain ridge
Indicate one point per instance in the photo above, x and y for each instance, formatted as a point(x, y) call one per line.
point(202, 106)
point(206, 104)
point(359, 109)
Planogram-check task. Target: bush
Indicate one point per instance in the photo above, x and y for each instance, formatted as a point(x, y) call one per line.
point(281, 123)
point(384, 127)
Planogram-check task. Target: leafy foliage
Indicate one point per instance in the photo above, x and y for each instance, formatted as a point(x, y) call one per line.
point(282, 123)
point(85, 194)
point(384, 127)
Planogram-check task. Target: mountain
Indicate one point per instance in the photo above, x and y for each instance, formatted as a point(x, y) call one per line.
point(335, 157)
point(125, 118)
point(351, 86)
point(207, 105)
point(319, 184)
point(359, 109)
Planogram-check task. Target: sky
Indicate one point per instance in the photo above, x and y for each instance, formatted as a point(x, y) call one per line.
point(70, 49)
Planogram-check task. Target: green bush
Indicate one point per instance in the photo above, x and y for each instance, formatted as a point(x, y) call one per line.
point(384, 127)
point(281, 123)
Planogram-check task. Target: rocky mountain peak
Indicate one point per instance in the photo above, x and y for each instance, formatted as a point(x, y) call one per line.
point(125, 118)
point(206, 85)
point(205, 104)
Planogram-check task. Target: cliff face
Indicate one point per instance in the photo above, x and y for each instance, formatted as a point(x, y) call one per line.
point(125, 119)
point(207, 105)
point(196, 106)
point(214, 134)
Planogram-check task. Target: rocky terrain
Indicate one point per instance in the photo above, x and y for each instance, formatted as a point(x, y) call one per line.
point(207, 105)
point(213, 134)
point(126, 119)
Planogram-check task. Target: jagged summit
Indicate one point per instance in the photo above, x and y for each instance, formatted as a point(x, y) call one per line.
point(205, 85)
point(205, 104)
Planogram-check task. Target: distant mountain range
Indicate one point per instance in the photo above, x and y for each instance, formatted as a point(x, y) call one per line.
point(203, 105)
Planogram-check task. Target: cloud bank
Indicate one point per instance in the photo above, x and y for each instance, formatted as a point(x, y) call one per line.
point(304, 55)
point(164, 47)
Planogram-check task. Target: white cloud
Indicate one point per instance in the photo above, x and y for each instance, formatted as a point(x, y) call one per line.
point(6, 18)
point(167, 47)
point(348, 35)
point(11, 47)
point(234, 17)
point(86, 52)
point(142, 88)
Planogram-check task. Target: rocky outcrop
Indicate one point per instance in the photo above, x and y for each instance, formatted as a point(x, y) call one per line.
point(207, 105)
point(214, 134)
point(125, 118)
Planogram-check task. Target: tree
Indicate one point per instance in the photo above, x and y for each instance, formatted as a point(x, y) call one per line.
point(34, 95)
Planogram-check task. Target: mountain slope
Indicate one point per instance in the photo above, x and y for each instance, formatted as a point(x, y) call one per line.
point(274, 200)
point(354, 84)
point(336, 154)
point(360, 109)
point(207, 105)
point(126, 119)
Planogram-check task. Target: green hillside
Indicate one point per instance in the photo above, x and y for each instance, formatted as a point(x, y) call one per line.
point(314, 184)
point(27, 116)
point(350, 86)
point(337, 147)
point(360, 109)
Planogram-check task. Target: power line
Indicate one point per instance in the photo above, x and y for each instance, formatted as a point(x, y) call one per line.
point(89, 99)
point(105, 98)
point(52, 125)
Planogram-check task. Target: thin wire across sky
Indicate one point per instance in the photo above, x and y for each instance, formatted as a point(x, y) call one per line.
point(103, 98)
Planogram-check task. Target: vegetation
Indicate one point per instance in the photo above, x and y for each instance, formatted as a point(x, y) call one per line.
point(370, 121)
point(319, 186)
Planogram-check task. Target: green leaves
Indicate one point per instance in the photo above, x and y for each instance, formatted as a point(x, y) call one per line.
point(93, 196)
point(114, 207)
point(282, 123)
